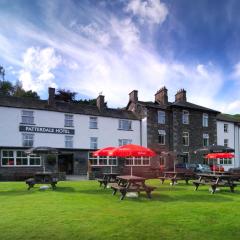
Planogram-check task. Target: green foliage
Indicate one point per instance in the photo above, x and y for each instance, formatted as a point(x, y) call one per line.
point(83, 210)
point(8, 89)
point(65, 95)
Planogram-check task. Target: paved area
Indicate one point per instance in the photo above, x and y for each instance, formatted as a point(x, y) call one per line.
point(76, 177)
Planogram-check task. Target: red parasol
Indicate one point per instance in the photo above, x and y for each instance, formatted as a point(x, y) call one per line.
point(103, 152)
point(132, 150)
point(219, 155)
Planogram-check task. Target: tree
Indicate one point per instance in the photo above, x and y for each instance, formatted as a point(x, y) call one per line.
point(6, 88)
point(20, 92)
point(65, 95)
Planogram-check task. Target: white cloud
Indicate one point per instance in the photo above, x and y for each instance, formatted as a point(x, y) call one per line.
point(38, 65)
point(152, 11)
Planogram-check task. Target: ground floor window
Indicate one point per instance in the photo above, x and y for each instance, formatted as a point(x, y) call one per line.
point(225, 161)
point(19, 158)
point(102, 161)
point(138, 161)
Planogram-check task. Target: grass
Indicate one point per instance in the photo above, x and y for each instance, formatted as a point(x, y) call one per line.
point(82, 210)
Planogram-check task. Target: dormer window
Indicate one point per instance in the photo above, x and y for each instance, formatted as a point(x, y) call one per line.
point(185, 117)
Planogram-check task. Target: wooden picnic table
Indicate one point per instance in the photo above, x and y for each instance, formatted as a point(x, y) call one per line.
point(130, 183)
point(216, 180)
point(108, 178)
point(174, 176)
point(42, 178)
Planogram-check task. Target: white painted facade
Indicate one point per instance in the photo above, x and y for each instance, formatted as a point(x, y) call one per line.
point(107, 132)
point(230, 135)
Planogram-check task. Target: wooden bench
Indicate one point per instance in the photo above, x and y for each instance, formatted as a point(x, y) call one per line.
point(42, 179)
point(214, 185)
point(123, 189)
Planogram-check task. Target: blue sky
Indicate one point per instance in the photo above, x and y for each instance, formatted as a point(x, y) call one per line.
point(114, 47)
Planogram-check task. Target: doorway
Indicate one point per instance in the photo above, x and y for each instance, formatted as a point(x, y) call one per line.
point(65, 163)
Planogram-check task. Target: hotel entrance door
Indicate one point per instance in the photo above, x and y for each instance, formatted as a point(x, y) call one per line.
point(65, 163)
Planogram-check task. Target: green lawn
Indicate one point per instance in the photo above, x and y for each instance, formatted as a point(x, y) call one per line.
point(82, 210)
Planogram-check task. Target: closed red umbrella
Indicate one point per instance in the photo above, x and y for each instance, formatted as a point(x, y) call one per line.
point(132, 150)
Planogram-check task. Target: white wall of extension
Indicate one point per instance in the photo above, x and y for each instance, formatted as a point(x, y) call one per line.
point(233, 140)
point(107, 132)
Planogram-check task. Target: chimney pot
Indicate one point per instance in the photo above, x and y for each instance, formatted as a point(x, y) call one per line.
point(161, 96)
point(51, 96)
point(133, 96)
point(181, 95)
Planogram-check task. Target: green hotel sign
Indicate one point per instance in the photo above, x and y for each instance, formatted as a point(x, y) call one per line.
point(36, 129)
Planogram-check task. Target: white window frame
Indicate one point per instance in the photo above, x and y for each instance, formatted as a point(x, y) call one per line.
point(185, 117)
point(162, 133)
point(93, 143)
point(68, 120)
point(205, 120)
point(125, 124)
point(225, 127)
point(161, 117)
point(123, 141)
point(137, 161)
point(29, 157)
point(226, 142)
point(93, 122)
point(186, 135)
point(206, 136)
point(111, 161)
point(27, 117)
point(225, 161)
point(68, 139)
point(27, 138)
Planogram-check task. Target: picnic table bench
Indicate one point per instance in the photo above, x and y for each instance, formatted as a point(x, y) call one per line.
point(127, 184)
point(175, 176)
point(42, 178)
point(215, 180)
point(107, 178)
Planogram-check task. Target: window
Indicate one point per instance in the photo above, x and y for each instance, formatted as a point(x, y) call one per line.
point(68, 141)
point(161, 137)
point(225, 142)
point(225, 127)
point(7, 158)
point(125, 125)
point(68, 120)
point(140, 161)
point(28, 139)
point(225, 161)
point(205, 120)
point(93, 143)
point(27, 117)
point(161, 117)
point(122, 142)
point(205, 139)
point(185, 139)
point(102, 161)
point(185, 117)
point(19, 158)
point(93, 123)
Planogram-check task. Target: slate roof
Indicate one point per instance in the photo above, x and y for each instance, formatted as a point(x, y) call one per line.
point(182, 104)
point(66, 107)
point(227, 118)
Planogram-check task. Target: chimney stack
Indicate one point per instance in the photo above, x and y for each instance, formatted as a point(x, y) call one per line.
point(51, 96)
point(100, 102)
point(181, 96)
point(161, 96)
point(133, 96)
